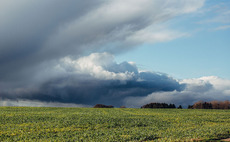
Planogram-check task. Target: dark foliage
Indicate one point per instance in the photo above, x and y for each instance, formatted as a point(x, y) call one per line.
point(210, 105)
point(103, 106)
point(158, 105)
point(179, 107)
point(190, 107)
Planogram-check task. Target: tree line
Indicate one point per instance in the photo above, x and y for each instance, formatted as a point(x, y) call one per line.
point(197, 105)
point(210, 105)
point(159, 105)
point(150, 105)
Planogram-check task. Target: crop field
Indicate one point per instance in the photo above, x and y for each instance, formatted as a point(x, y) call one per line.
point(117, 124)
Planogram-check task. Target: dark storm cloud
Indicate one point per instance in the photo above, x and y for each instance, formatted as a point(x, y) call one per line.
point(93, 79)
point(97, 78)
point(91, 91)
point(34, 32)
point(43, 48)
point(205, 88)
point(27, 25)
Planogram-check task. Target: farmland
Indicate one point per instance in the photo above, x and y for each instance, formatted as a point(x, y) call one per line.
point(117, 124)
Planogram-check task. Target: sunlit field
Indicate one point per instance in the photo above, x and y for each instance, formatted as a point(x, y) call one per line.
point(116, 124)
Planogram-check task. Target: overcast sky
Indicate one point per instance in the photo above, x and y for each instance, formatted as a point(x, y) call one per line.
point(116, 52)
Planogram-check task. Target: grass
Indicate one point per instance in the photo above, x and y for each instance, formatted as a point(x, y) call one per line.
point(90, 124)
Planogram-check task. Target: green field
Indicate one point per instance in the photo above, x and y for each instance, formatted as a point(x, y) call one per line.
point(90, 124)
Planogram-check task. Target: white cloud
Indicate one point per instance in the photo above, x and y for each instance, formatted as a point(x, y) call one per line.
point(222, 27)
point(38, 32)
point(153, 34)
point(117, 20)
point(216, 14)
point(207, 88)
point(97, 65)
point(96, 78)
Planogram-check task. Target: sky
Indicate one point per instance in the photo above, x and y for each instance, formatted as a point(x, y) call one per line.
point(81, 53)
point(203, 50)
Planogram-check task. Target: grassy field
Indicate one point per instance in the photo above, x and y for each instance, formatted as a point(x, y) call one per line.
point(90, 124)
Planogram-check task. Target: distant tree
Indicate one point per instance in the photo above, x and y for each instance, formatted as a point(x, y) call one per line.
point(172, 106)
point(202, 105)
point(220, 105)
point(215, 104)
point(158, 105)
point(226, 104)
point(190, 106)
point(198, 105)
point(103, 106)
point(211, 105)
point(207, 105)
point(179, 107)
point(122, 107)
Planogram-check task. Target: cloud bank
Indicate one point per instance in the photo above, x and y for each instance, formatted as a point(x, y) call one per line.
point(207, 88)
point(34, 32)
point(55, 52)
point(96, 78)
